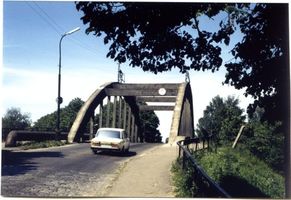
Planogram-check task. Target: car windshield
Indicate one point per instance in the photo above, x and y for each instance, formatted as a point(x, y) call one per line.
point(108, 134)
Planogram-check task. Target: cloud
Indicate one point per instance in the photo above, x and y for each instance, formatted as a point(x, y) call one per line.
point(29, 90)
point(35, 91)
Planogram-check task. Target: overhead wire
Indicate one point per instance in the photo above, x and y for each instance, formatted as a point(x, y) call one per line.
point(51, 19)
point(74, 39)
point(83, 45)
point(56, 27)
point(40, 15)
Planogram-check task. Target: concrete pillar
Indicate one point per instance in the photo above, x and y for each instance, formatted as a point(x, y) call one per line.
point(108, 112)
point(132, 128)
point(113, 125)
point(120, 113)
point(135, 133)
point(91, 127)
point(128, 123)
point(124, 116)
point(100, 114)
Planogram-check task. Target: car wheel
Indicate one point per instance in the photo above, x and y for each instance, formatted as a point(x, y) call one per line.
point(94, 151)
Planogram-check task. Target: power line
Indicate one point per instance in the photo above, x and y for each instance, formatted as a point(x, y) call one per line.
point(51, 19)
point(83, 45)
point(40, 15)
point(76, 41)
point(56, 27)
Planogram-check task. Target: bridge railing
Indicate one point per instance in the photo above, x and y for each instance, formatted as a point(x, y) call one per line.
point(24, 135)
point(205, 185)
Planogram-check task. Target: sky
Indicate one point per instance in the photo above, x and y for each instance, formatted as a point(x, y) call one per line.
point(31, 34)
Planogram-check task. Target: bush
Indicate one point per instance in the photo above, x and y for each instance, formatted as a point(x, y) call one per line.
point(183, 182)
point(14, 119)
point(266, 142)
point(43, 144)
point(241, 174)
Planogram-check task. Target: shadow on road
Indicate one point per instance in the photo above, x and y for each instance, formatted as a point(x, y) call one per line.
point(15, 163)
point(117, 153)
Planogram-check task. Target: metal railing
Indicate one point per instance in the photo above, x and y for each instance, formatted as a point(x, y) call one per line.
point(205, 185)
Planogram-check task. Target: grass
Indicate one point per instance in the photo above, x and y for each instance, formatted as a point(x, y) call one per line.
point(237, 171)
point(42, 144)
point(182, 180)
point(239, 164)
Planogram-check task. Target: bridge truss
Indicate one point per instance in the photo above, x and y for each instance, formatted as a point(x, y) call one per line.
point(133, 98)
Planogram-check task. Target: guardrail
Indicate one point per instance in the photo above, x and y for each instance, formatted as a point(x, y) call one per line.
point(203, 182)
point(16, 136)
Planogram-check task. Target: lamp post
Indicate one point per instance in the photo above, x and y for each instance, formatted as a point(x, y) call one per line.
point(60, 99)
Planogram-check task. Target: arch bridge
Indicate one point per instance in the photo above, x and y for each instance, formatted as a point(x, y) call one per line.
point(128, 100)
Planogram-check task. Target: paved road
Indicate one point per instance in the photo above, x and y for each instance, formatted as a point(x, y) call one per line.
point(68, 171)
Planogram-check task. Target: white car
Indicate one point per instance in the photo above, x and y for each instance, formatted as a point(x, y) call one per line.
point(113, 139)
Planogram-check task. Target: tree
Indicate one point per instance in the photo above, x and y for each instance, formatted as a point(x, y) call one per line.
point(150, 36)
point(14, 120)
point(222, 118)
point(68, 115)
point(261, 64)
point(149, 124)
point(265, 140)
point(160, 36)
point(104, 117)
point(211, 121)
point(232, 121)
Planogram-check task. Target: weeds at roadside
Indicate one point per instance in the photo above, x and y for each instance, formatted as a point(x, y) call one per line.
point(42, 144)
point(237, 171)
point(184, 185)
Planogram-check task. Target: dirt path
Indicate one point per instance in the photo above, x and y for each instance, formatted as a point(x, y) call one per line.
point(146, 175)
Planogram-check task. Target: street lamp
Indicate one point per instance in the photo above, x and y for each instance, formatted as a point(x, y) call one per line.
point(60, 99)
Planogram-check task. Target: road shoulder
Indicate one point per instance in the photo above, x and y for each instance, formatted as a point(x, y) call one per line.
point(146, 175)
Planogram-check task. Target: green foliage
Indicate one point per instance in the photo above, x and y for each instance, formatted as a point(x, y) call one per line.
point(14, 120)
point(241, 165)
point(148, 35)
point(212, 118)
point(183, 181)
point(104, 114)
point(265, 140)
point(67, 116)
point(222, 118)
point(263, 46)
point(149, 125)
point(43, 144)
point(148, 120)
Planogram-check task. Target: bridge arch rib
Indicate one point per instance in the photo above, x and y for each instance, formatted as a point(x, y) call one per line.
point(137, 97)
point(183, 118)
point(87, 111)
